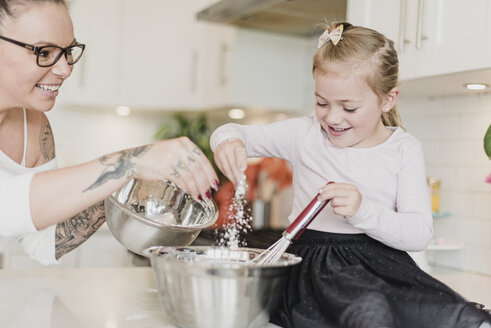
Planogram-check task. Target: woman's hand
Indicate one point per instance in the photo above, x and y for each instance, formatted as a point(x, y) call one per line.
point(178, 160)
point(231, 159)
point(345, 198)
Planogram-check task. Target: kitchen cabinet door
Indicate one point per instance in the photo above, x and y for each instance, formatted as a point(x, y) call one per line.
point(139, 55)
point(95, 78)
point(254, 69)
point(446, 37)
point(159, 57)
point(433, 37)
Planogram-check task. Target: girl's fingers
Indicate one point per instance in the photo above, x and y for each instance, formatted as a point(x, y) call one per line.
point(231, 159)
point(240, 163)
point(225, 166)
point(343, 210)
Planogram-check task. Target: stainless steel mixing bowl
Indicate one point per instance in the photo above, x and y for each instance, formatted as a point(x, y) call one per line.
point(150, 213)
point(215, 287)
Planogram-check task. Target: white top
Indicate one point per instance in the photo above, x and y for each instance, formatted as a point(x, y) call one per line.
point(15, 214)
point(395, 207)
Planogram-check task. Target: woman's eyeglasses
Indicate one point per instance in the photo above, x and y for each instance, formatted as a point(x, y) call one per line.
point(47, 56)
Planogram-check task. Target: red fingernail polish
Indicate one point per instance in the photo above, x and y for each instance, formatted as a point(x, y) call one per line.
point(200, 198)
point(208, 194)
point(217, 185)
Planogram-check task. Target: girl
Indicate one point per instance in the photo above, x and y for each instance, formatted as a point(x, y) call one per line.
point(355, 270)
point(51, 211)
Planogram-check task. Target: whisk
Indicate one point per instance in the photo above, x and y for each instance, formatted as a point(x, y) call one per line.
point(293, 231)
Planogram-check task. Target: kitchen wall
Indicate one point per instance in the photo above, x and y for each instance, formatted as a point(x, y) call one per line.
point(83, 133)
point(451, 130)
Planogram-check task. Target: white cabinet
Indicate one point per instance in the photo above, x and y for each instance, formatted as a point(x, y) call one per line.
point(96, 77)
point(433, 36)
point(248, 68)
point(158, 56)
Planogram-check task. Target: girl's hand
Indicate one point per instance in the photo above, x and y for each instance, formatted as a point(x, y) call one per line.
point(231, 159)
point(345, 198)
point(178, 160)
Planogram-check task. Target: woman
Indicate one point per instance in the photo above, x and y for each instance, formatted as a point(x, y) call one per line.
point(51, 211)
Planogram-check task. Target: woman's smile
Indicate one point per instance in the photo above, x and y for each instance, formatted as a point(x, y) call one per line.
point(50, 90)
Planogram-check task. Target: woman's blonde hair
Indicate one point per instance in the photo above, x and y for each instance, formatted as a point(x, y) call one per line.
point(368, 49)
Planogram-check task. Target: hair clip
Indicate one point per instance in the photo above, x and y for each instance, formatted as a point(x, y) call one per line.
point(333, 36)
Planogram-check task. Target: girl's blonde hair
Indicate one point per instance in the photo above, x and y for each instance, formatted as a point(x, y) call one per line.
point(364, 48)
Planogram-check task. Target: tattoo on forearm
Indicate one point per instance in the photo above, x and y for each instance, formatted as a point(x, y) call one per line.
point(196, 150)
point(175, 174)
point(118, 165)
point(180, 166)
point(74, 231)
point(46, 141)
point(191, 160)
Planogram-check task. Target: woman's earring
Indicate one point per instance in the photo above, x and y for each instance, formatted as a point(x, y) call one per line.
point(386, 109)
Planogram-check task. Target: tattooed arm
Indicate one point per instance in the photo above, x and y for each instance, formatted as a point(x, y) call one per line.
point(76, 230)
point(60, 194)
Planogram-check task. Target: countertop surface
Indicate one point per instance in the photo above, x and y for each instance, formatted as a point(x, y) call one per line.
point(123, 297)
point(75, 298)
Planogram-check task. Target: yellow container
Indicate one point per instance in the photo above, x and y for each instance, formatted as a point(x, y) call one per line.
point(434, 186)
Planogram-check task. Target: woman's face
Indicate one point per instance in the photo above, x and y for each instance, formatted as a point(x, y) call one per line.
point(22, 82)
point(348, 109)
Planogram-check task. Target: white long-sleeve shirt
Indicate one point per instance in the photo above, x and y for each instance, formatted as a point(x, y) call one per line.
point(395, 207)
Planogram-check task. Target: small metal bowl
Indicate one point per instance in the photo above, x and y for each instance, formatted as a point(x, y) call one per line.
point(150, 213)
point(217, 287)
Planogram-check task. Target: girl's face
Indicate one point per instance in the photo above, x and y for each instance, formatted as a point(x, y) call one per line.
point(349, 111)
point(22, 82)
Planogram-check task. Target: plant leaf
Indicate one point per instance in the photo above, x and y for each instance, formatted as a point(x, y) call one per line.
point(487, 142)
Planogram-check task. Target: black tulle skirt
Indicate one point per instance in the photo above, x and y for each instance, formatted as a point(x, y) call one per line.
point(352, 280)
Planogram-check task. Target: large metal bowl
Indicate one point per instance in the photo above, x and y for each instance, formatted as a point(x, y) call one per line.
point(215, 287)
point(149, 213)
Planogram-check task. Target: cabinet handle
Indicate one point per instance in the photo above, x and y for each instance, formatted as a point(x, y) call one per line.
point(194, 71)
point(402, 25)
point(419, 30)
point(223, 64)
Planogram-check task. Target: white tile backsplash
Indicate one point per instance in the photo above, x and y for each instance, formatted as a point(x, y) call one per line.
point(440, 127)
point(482, 206)
point(451, 130)
point(474, 125)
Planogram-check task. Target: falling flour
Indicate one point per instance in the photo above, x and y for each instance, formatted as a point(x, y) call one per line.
point(239, 218)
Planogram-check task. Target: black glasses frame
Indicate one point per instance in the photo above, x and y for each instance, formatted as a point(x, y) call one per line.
point(38, 50)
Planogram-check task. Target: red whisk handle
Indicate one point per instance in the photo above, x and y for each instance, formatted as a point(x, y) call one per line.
point(297, 227)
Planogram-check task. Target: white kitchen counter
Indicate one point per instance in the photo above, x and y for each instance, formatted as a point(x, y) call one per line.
point(75, 298)
point(123, 297)
point(61, 298)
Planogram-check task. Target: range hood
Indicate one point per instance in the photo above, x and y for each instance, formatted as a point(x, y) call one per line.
point(295, 17)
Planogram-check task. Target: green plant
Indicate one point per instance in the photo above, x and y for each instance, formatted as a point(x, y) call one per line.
point(191, 125)
point(487, 147)
point(487, 142)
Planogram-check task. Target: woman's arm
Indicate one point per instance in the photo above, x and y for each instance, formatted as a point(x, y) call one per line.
point(60, 194)
point(71, 197)
point(74, 231)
